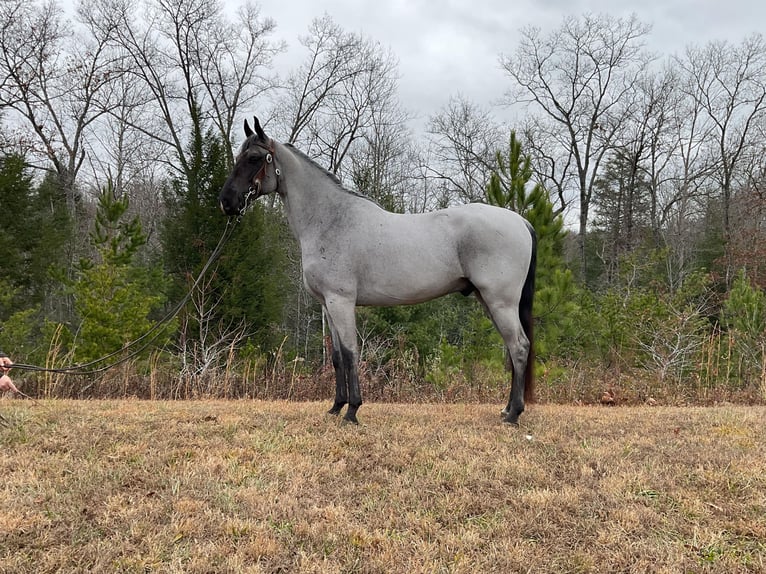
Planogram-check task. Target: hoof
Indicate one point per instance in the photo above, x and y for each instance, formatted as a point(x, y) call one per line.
point(504, 412)
point(351, 415)
point(336, 408)
point(351, 419)
point(511, 419)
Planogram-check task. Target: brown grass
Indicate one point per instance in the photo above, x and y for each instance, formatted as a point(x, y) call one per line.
point(244, 486)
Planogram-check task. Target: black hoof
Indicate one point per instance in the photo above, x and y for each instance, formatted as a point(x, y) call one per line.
point(351, 415)
point(351, 419)
point(336, 408)
point(511, 419)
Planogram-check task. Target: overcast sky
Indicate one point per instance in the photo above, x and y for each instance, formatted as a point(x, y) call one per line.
point(453, 46)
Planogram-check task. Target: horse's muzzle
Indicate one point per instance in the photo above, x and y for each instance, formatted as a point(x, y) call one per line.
point(229, 205)
point(230, 201)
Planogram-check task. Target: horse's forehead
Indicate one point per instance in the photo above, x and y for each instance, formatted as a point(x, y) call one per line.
point(246, 145)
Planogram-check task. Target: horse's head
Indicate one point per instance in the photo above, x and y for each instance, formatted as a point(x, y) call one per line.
point(254, 173)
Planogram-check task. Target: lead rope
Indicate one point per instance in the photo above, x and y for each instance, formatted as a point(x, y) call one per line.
point(85, 368)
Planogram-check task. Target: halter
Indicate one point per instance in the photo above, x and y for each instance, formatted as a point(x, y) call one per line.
point(254, 190)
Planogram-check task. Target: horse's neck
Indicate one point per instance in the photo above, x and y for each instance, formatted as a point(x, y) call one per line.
point(312, 200)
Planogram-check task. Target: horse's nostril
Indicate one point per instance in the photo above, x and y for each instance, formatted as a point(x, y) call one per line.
point(226, 205)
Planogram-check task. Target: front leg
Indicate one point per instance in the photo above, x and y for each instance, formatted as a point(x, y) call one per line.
point(342, 320)
point(341, 388)
point(350, 368)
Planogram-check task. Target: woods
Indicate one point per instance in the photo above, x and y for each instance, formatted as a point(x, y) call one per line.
point(642, 173)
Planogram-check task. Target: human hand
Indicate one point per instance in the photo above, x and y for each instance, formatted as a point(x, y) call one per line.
point(5, 364)
point(6, 384)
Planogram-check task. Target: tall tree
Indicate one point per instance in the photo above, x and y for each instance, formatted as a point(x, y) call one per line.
point(17, 238)
point(58, 83)
point(463, 139)
point(342, 93)
point(579, 81)
point(622, 205)
point(381, 165)
point(247, 283)
point(728, 83)
point(649, 142)
point(34, 233)
point(197, 68)
point(510, 187)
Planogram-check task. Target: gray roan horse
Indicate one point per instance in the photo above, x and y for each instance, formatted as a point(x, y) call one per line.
point(356, 253)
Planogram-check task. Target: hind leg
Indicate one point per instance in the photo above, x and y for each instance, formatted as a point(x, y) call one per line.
point(505, 316)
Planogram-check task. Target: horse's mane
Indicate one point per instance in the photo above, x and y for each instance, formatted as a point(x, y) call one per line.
point(333, 177)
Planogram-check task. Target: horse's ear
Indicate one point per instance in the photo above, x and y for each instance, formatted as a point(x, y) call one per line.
point(259, 129)
point(248, 131)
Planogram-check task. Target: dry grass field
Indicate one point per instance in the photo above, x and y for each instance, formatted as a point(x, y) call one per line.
point(244, 486)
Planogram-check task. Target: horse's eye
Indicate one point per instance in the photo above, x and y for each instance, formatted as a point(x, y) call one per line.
point(255, 160)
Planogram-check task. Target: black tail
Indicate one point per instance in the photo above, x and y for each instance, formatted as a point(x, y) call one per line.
point(527, 319)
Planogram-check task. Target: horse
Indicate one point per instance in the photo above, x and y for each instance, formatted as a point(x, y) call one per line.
point(355, 253)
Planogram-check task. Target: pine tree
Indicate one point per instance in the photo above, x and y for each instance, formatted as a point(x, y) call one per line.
point(113, 296)
point(35, 229)
point(621, 204)
point(554, 306)
point(744, 314)
point(17, 238)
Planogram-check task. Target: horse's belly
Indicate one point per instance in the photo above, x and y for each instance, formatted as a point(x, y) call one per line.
point(402, 283)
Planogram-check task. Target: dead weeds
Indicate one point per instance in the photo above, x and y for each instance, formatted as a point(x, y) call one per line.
point(247, 486)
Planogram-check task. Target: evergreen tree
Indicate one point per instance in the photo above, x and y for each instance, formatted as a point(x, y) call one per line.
point(254, 269)
point(35, 231)
point(744, 314)
point(249, 281)
point(621, 202)
point(18, 237)
point(52, 226)
point(113, 296)
point(554, 306)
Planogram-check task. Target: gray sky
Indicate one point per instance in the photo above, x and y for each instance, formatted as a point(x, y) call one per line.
point(453, 46)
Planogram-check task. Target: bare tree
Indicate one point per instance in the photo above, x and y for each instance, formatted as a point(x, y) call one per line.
point(681, 197)
point(463, 140)
point(728, 83)
point(649, 141)
point(580, 83)
point(331, 52)
point(382, 165)
point(197, 67)
point(58, 84)
point(655, 195)
point(339, 96)
point(205, 345)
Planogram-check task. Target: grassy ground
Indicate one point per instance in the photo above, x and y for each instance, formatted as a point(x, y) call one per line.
point(131, 486)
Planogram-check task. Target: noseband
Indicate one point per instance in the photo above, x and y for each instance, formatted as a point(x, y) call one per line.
point(254, 190)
